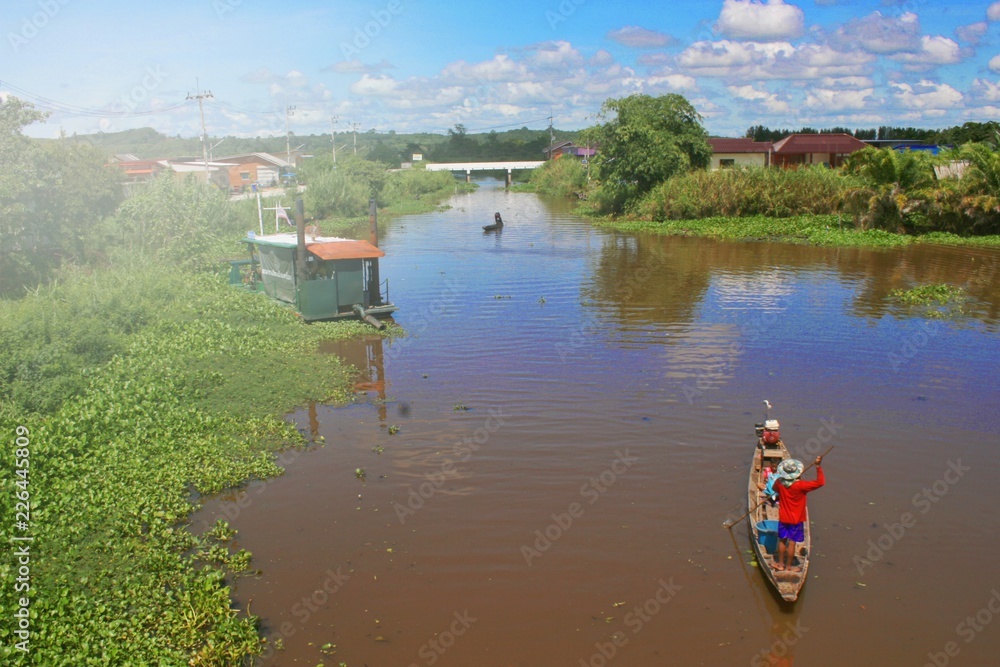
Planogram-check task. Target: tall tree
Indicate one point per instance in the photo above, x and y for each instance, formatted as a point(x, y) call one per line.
point(644, 141)
point(17, 182)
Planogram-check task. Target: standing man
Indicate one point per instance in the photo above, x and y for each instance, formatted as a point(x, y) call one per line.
point(792, 508)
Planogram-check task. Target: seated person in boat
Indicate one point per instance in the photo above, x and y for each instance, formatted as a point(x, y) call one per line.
point(792, 508)
point(768, 478)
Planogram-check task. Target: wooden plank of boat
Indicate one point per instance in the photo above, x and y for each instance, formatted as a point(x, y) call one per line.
point(763, 524)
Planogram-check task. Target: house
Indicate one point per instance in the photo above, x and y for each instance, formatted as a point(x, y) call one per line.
point(739, 153)
point(218, 172)
point(804, 149)
point(138, 171)
point(261, 168)
point(567, 148)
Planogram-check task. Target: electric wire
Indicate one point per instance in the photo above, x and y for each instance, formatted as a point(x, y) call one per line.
point(48, 104)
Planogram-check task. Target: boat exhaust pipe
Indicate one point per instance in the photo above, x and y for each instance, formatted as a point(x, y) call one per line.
point(365, 317)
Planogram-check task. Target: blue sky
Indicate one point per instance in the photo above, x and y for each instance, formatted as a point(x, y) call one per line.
point(419, 65)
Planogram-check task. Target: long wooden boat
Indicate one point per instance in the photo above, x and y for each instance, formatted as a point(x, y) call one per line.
point(763, 519)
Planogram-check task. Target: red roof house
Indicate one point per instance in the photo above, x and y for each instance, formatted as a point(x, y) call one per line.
point(828, 149)
point(739, 152)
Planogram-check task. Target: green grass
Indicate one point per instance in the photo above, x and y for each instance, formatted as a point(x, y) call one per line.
point(945, 238)
point(142, 387)
point(811, 229)
point(827, 230)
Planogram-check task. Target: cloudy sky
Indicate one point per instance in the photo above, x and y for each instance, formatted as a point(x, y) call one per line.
point(425, 65)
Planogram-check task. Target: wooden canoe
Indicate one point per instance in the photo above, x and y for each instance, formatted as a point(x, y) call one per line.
point(763, 525)
point(497, 223)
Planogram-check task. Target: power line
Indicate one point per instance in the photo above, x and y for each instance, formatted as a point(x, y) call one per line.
point(232, 107)
point(55, 106)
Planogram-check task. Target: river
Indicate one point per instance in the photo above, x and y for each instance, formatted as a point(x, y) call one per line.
point(550, 453)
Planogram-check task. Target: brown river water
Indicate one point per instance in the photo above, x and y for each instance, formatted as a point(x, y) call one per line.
point(550, 454)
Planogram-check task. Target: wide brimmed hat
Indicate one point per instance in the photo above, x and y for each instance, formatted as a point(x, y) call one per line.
point(790, 469)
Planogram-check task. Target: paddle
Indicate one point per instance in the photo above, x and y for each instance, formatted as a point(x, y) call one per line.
point(730, 524)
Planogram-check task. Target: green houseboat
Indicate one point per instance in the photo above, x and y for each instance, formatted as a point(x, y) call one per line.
point(322, 277)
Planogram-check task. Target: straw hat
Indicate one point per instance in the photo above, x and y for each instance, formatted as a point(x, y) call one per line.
point(790, 470)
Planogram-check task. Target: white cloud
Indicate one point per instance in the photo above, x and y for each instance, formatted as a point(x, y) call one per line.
point(985, 90)
point(296, 79)
point(841, 82)
point(816, 60)
point(601, 59)
point(973, 32)
point(640, 38)
point(707, 108)
point(994, 64)
point(771, 101)
point(773, 21)
point(933, 51)
point(674, 81)
point(982, 114)
point(729, 58)
point(500, 68)
point(774, 60)
point(554, 55)
point(374, 85)
point(927, 96)
point(993, 12)
point(880, 34)
point(839, 100)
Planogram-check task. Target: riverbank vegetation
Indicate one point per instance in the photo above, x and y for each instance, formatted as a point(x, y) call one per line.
point(139, 381)
point(342, 190)
point(651, 174)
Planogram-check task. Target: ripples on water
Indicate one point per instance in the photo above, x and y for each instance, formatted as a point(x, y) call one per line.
point(591, 345)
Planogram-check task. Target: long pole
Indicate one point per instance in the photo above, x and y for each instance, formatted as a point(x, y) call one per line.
point(737, 519)
point(354, 127)
point(289, 111)
point(204, 135)
point(260, 213)
point(552, 137)
point(333, 136)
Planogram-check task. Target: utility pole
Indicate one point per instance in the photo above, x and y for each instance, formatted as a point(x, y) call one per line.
point(289, 111)
point(200, 96)
point(333, 136)
point(354, 127)
point(552, 136)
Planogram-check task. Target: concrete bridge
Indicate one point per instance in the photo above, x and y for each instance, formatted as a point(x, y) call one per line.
point(469, 167)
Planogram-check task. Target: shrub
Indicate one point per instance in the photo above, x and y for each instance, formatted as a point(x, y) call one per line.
point(564, 177)
point(745, 191)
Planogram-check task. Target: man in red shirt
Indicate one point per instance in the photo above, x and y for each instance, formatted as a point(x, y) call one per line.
point(792, 508)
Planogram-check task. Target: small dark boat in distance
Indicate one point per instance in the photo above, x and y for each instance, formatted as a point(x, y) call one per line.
point(497, 223)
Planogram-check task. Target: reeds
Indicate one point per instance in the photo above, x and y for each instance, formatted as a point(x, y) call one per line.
point(746, 191)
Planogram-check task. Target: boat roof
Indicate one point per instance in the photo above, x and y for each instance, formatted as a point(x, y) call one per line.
point(324, 247)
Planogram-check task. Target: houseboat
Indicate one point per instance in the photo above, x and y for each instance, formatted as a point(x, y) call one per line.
point(322, 277)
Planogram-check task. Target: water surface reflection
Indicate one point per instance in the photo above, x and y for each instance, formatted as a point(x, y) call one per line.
point(538, 358)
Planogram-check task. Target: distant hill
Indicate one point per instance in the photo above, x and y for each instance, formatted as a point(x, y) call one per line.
point(390, 147)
